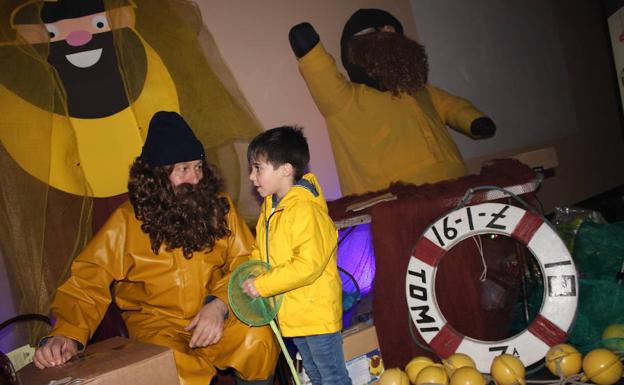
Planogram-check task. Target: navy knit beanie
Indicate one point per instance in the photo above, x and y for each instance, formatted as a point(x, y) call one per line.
point(170, 140)
point(359, 21)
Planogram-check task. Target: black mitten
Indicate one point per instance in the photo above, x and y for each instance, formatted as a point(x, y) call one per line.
point(483, 127)
point(302, 38)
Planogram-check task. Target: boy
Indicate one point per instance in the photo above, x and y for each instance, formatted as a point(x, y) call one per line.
point(296, 236)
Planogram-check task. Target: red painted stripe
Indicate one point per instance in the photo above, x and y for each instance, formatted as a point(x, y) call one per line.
point(526, 228)
point(547, 331)
point(428, 252)
point(446, 342)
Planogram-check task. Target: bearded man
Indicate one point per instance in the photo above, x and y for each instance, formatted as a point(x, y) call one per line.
point(169, 253)
point(387, 124)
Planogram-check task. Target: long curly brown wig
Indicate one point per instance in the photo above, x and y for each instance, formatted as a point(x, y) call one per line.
point(191, 217)
point(396, 62)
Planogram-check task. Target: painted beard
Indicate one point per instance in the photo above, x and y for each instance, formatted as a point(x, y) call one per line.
point(91, 77)
point(396, 63)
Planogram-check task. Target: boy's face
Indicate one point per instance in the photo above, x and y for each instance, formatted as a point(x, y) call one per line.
point(270, 180)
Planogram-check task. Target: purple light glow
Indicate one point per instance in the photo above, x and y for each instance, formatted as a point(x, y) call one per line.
point(356, 255)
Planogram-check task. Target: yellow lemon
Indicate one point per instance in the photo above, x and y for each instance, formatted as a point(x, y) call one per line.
point(415, 365)
point(467, 375)
point(563, 360)
point(456, 361)
point(432, 374)
point(393, 376)
point(507, 369)
point(602, 367)
point(614, 334)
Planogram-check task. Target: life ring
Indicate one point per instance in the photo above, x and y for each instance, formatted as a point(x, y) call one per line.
point(560, 300)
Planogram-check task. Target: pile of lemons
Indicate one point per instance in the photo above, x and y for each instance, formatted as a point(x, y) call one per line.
point(600, 366)
point(458, 369)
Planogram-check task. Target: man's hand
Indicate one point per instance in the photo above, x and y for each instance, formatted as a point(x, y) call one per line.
point(249, 288)
point(208, 324)
point(56, 351)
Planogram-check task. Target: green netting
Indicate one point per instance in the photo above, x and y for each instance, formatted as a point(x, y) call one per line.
point(598, 253)
point(252, 311)
point(600, 250)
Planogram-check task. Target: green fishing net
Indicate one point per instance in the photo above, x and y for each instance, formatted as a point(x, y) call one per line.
point(252, 311)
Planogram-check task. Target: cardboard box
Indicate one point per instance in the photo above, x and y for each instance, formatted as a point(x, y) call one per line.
point(116, 361)
point(362, 354)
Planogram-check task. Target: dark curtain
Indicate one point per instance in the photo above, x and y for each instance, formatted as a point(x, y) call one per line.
point(461, 294)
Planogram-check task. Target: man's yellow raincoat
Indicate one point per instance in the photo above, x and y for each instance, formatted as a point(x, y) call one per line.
point(160, 293)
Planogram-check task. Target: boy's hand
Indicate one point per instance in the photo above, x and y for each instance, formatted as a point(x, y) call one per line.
point(208, 324)
point(56, 351)
point(249, 287)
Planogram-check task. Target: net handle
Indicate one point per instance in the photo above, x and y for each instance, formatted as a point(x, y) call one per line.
point(293, 371)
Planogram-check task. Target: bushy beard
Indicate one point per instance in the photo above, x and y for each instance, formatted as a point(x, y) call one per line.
point(396, 63)
point(190, 220)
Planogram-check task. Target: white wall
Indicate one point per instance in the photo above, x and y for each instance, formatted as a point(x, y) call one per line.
point(505, 57)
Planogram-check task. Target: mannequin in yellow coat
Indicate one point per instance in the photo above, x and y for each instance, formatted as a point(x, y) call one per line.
point(387, 124)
